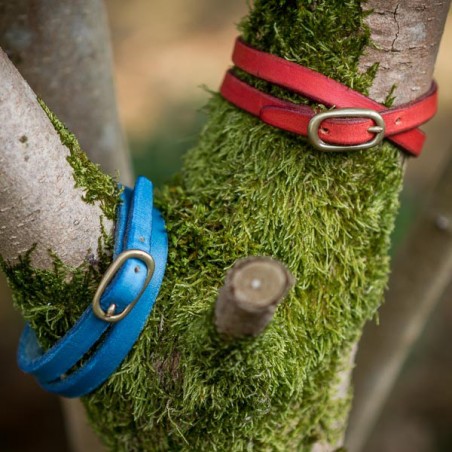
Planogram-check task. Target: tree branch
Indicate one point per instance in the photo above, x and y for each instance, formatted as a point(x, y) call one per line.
point(62, 48)
point(421, 273)
point(407, 38)
point(331, 221)
point(38, 203)
point(74, 77)
point(253, 289)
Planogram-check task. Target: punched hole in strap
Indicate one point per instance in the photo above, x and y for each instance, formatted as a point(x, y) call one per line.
point(109, 315)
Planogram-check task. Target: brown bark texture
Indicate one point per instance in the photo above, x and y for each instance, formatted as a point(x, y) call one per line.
point(421, 274)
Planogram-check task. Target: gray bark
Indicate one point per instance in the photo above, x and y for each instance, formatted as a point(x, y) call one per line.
point(406, 36)
point(62, 48)
point(38, 202)
point(30, 186)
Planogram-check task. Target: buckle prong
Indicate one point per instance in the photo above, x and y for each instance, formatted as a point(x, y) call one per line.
point(315, 122)
point(109, 315)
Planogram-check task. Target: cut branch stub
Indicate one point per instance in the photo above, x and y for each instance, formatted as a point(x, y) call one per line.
point(253, 289)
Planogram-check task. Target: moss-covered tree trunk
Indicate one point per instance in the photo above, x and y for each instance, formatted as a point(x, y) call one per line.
point(249, 189)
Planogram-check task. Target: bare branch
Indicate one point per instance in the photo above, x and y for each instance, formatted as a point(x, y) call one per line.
point(253, 289)
point(421, 274)
point(38, 202)
point(80, 434)
point(62, 48)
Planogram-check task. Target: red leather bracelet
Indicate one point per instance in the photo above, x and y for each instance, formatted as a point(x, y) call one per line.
point(361, 122)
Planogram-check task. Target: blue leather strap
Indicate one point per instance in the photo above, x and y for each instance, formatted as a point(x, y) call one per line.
point(103, 345)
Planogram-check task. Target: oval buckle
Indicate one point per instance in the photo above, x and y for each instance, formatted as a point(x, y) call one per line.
point(109, 315)
point(318, 143)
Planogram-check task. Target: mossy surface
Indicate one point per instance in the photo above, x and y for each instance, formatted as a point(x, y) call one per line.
point(326, 36)
point(97, 186)
point(328, 218)
point(52, 300)
point(250, 189)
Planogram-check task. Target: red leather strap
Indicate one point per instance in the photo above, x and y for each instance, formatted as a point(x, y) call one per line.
point(401, 122)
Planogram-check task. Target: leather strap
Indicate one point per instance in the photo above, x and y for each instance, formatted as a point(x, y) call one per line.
point(139, 227)
point(401, 122)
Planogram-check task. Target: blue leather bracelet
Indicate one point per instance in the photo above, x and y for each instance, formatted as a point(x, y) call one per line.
point(108, 328)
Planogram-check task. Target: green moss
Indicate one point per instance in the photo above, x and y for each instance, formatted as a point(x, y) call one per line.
point(97, 186)
point(326, 36)
point(250, 189)
point(390, 97)
point(52, 300)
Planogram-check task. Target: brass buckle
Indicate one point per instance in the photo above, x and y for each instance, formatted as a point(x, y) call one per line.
point(316, 121)
point(109, 315)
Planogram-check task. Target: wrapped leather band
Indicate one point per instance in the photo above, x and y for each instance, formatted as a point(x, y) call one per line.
point(400, 122)
point(107, 330)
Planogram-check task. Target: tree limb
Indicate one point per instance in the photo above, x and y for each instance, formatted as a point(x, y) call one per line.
point(38, 203)
point(296, 210)
point(62, 48)
point(74, 77)
point(421, 273)
point(406, 37)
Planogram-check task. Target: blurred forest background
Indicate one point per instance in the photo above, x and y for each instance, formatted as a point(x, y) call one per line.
point(167, 53)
